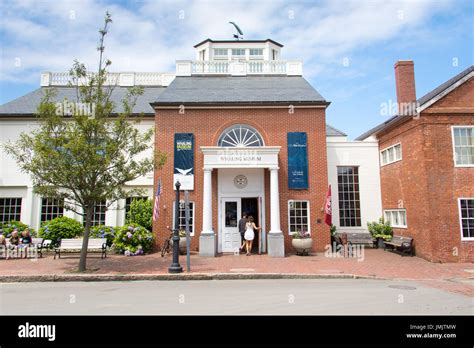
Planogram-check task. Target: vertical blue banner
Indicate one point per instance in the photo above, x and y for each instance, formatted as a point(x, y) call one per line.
point(297, 161)
point(184, 160)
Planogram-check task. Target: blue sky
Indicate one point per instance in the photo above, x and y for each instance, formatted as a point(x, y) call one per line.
point(348, 47)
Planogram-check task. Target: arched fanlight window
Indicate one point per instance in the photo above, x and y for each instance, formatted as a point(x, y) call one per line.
point(240, 136)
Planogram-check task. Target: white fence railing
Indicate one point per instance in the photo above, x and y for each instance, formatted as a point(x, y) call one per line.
point(238, 67)
point(113, 79)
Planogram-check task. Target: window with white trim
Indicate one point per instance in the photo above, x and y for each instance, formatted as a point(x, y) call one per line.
point(240, 135)
point(256, 51)
point(463, 144)
point(51, 208)
point(98, 214)
point(10, 209)
point(182, 217)
point(238, 51)
point(396, 217)
point(391, 154)
point(466, 218)
point(349, 196)
point(220, 52)
point(298, 216)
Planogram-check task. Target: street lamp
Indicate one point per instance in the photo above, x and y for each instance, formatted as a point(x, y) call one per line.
point(175, 266)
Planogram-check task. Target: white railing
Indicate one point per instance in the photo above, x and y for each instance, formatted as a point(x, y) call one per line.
point(266, 67)
point(113, 79)
point(210, 67)
point(239, 67)
point(147, 79)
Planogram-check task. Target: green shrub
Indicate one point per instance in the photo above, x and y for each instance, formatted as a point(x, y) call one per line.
point(381, 229)
point(133, 239)
point(107, 232)
point(8, 227)
point(141, 213)
point(60, 227)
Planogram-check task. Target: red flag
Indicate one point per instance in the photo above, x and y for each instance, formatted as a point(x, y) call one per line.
point(328, 208)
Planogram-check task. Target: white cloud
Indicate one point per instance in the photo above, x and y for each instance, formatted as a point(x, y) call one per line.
point(151, 35)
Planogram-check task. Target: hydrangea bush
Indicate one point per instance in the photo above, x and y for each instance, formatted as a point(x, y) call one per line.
point(107, 232)
point(133, 239)
point(60, 227)
point(8, 227)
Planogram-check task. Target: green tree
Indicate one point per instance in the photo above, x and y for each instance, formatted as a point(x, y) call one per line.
point(141, 213)
point(86, 157)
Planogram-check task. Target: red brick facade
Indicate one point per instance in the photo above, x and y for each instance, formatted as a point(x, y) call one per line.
point(273, 124)
point(426, 182)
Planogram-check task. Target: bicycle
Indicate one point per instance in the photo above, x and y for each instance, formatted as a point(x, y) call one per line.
point(167, 244)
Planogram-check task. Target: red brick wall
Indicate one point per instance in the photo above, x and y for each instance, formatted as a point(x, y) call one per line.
point(273, 125)
point(426, 182)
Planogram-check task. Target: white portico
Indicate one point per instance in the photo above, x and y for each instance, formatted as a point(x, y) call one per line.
point(231, 163)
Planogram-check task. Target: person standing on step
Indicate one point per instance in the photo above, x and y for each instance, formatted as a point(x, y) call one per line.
point(249, 235)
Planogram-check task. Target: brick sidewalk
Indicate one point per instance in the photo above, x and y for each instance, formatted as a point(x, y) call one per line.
point(455, 277)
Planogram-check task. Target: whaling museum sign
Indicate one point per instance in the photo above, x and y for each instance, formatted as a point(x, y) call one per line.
point(261, 157)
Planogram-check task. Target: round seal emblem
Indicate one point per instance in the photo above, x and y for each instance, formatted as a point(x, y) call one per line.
point(240, 181)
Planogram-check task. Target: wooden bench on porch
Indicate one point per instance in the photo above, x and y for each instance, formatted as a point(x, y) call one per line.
point(402, 244)
point(75, 246)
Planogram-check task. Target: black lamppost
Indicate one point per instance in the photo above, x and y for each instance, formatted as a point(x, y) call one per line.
point(175, 266)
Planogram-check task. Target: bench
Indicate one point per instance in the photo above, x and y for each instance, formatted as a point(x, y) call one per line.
point(399, 243)
point(360, 238)
point(75, 246)
point(40, 244)
point(26, 250)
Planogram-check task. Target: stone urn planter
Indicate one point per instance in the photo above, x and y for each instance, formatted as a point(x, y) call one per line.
point(302, 245)
point(182, 245)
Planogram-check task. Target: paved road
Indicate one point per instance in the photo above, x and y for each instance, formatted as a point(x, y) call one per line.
point(321, 296)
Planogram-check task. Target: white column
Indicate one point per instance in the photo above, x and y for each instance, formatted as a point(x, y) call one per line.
point(274, 202)
point(207, 202)
point(27, 207)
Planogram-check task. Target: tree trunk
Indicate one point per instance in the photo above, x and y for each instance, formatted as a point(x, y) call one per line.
point(85, 242)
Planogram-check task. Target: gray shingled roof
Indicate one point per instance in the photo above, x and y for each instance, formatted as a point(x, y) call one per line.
point(424, 99)
point(27, 104)
point(219, 90)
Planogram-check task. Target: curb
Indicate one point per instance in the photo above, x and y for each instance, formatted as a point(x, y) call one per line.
point(167, 277)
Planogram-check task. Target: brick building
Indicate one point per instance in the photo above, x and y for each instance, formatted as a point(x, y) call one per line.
point(240, 111)
point(427, 166)
point(255, 139)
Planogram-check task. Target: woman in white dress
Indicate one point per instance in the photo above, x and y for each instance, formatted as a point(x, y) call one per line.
point(250, 234)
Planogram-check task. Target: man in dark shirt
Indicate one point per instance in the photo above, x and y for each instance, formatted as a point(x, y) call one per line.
point(242, 223)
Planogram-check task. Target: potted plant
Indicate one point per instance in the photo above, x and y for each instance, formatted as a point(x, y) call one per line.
point(302, 242)
point(381, 231)
point(182, 242)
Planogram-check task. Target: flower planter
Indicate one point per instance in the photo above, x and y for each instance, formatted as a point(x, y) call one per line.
point(302, 245)
point(380, 243)
point(182, 245)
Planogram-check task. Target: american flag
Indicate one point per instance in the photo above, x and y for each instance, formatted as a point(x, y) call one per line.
point(156, 209)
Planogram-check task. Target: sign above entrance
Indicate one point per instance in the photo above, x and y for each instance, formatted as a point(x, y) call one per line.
point(234, 157)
